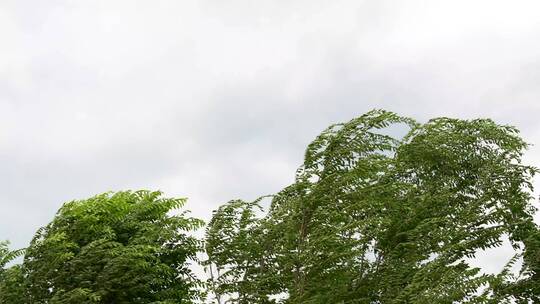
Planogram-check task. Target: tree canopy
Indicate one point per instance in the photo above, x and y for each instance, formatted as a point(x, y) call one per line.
point(122, 247)
point(373, 217)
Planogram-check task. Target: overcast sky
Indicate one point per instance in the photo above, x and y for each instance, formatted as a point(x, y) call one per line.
point(214, 100)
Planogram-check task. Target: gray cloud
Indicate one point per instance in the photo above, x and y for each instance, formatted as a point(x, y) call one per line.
point(217, 100)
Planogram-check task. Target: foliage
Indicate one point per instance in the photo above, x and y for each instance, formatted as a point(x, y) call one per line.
point(377, 218)
point(383, 210)
point(124, 247)
point(11, 287)
point(7, 255)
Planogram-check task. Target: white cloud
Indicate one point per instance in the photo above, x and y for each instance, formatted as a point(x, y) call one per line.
point(217, 100)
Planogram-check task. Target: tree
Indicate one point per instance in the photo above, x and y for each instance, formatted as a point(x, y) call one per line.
point(123, 247)
point(377, 218)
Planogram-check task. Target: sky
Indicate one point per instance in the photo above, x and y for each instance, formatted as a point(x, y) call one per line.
point(215, 100)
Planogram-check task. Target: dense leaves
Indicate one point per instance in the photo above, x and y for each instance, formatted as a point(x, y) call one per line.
point(124, 247)
point(377, 218)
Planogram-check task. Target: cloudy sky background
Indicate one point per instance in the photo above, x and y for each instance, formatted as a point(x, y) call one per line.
point(214, 100)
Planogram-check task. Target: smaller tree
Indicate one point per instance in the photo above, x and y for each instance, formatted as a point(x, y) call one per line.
point(123, 247)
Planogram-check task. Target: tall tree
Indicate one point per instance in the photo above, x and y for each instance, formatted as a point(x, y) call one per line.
point(124, 247)
point(378, 218)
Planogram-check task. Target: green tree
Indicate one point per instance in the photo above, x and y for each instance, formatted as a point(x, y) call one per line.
point(125, 247)
point(373, 217)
